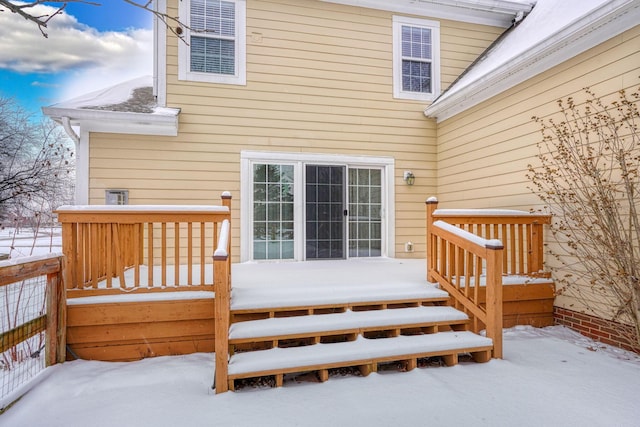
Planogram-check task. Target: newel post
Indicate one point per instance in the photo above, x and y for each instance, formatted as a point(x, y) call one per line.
point(222, 303)
point(222, 280)
point(494, 295)
point(432, 205)
point(56, 335)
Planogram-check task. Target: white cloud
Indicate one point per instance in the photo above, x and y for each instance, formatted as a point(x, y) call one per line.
point(91, 59)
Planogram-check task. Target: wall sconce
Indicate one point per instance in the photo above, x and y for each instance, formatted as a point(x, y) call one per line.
point(409, 177)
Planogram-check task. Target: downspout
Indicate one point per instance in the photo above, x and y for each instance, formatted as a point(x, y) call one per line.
point(81, 191)
point(66, 124)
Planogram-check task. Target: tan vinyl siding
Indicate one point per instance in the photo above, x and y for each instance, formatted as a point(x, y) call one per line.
point(319, 80)
point(483, 153)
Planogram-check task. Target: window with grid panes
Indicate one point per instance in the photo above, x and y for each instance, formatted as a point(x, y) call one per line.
point(215, 41)
point(416, 58)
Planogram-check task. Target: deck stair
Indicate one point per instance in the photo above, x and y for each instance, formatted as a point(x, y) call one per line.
point(314, 329)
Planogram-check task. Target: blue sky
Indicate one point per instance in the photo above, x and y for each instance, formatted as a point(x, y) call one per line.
point(88, 48)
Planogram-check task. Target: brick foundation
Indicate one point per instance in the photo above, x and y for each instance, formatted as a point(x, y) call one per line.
point(605, 331)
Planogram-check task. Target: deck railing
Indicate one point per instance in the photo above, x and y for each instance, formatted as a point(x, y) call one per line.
point(142, 248)
point(468, 252)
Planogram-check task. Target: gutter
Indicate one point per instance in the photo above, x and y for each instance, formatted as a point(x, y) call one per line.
point(499, 13)
point(162, 122)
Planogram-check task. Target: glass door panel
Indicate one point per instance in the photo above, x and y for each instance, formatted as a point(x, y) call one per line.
point(325, 201)
point(273, 212)
point(365, 212)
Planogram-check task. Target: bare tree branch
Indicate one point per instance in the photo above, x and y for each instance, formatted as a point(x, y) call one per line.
point(41, 21)
point(172, 23)
point(589, 176)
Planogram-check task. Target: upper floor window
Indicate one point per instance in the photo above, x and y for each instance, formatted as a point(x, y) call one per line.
point(416, 58)
point(214, 43)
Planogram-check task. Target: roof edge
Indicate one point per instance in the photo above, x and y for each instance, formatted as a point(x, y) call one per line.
point(163, 122)
point(606, 22)
point(499, 13)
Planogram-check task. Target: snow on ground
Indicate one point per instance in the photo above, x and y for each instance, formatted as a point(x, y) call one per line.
point(549, 377)
point(27, 242)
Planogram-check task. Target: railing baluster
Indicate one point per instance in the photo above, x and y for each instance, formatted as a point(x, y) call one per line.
point(512, 247)
point(150, 260)
point(136, 251)
point(476, 288)
point(108, 255)
point(505, 263)
point(202, 246)
point(176, 252)
point(93, 255)
point(189, 253)
point(521, 247)
point(164, 253)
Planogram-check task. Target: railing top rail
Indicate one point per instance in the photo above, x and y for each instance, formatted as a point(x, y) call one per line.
point(15, 270)
point(221, 252)
point(463, 235)
point(29, 259)
point(146, 209)
point(488, 212)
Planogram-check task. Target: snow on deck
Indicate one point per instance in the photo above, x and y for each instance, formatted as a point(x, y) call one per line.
point(343, 321)
point(361, 349)
point(292, 284)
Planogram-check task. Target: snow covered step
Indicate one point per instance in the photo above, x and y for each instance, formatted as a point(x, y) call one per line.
point(244, 300)
point(344, 323)
point(361, 352)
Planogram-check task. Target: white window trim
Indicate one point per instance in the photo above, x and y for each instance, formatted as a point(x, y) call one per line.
point(249, 158)
point(184, 57)
point(434, 26)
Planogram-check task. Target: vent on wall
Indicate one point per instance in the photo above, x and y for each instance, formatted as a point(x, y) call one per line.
point(116, 197)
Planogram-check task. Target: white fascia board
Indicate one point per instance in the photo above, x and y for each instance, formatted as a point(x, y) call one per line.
point(604, 23)
point(164, 122)
point(498, 13)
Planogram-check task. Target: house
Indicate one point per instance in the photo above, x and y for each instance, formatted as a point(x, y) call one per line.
point(331, 121)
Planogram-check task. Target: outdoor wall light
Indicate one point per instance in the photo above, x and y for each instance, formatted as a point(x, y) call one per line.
point(409, 177)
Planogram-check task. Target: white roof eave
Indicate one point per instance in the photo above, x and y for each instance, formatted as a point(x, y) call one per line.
point(499, 13)
point(162, 122)
point(608, 21)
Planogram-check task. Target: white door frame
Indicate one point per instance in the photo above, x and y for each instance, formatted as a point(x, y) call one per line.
point(248, 158)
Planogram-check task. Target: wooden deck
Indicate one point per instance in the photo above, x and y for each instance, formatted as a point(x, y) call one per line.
point(134, 326)
point(141, 282)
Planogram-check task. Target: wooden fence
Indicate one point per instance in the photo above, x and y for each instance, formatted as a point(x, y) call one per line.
point(469, 251)
point(53, 321)
point(32, 303)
